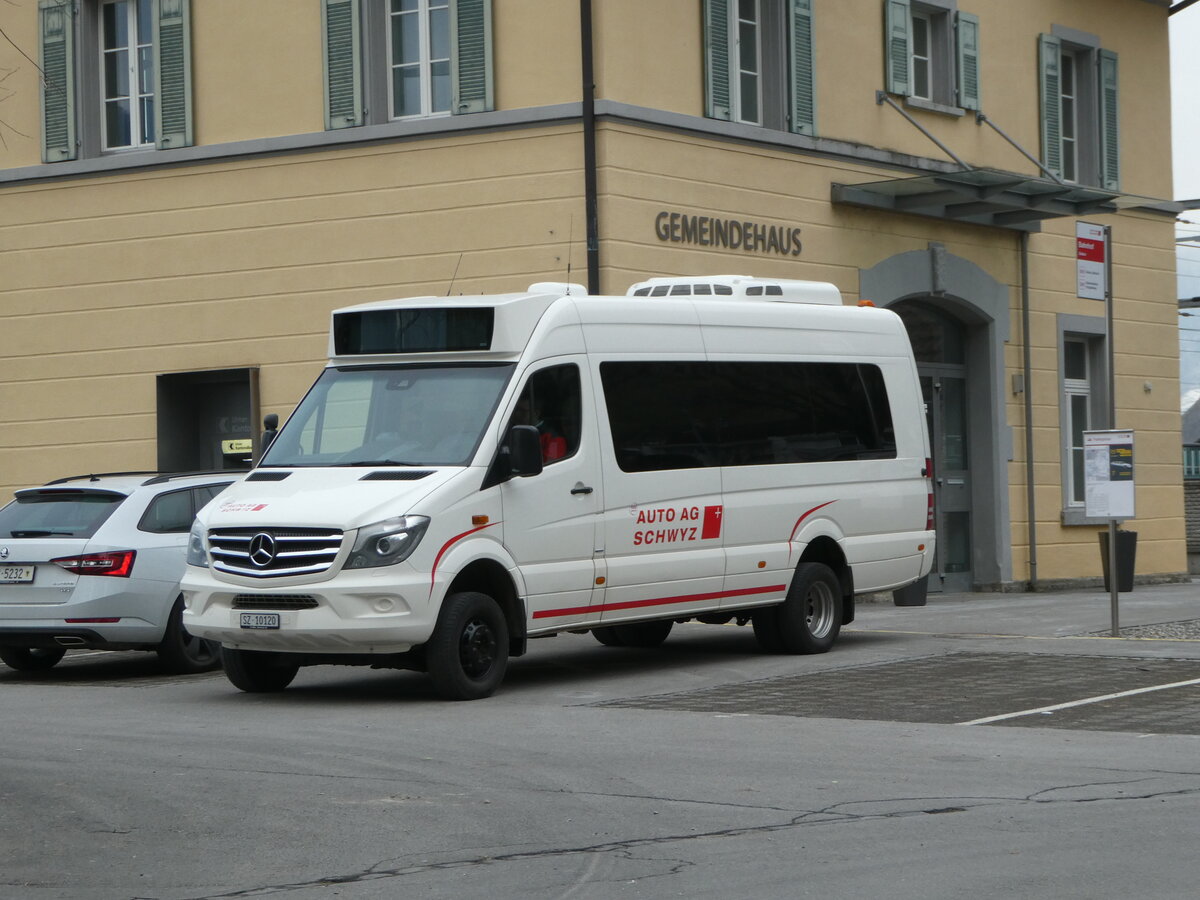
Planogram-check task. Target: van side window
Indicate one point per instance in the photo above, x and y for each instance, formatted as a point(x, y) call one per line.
point(551, 401)
point(682, 415)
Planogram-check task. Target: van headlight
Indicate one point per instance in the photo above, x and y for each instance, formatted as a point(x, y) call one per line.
point(195, 548)
point(387, 542)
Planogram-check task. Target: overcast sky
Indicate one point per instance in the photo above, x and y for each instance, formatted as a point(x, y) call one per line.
point(1185, 109)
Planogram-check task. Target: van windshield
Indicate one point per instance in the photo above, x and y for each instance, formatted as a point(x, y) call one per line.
point(414, 415)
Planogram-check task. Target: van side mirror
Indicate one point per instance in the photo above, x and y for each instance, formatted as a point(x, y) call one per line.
point(524, 446)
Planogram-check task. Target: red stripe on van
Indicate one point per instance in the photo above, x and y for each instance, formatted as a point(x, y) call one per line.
point(446, 546)
point(796, 527)
point(659, 601)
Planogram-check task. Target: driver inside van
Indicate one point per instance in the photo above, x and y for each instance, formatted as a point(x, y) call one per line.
point(543, 404)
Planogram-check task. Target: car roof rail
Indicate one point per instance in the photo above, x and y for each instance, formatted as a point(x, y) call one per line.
point(155, 476)
point(163, 477)
point(96, 476)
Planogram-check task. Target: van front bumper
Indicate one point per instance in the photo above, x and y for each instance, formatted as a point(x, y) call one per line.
point(360, 613)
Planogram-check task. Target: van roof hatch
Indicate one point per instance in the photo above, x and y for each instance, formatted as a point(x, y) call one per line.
point(718, 286)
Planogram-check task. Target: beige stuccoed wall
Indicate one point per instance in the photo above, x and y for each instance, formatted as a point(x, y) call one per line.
point(647, 171)
point(107, 281)
point(649, 58)
point(110, 281)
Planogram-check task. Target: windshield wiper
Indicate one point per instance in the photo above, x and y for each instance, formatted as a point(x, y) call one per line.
point(35, 533)
point(378, 462)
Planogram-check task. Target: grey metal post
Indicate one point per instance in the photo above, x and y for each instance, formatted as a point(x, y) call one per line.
point(1112, 421)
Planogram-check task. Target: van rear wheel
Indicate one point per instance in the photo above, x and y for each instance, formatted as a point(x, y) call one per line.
point(634, 634)
point(810, 618)
point(257, 671)
point(468, 653)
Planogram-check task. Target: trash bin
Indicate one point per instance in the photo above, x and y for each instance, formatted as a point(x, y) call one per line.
point(1126, 555)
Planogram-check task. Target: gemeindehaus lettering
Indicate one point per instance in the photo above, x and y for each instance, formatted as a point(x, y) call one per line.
point(732, 234)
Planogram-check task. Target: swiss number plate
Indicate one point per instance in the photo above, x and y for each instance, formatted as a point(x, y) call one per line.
point(16, 574)
point(260, 620)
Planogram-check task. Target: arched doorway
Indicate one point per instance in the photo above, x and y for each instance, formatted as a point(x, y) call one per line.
point(958, 316)
point(939, 344)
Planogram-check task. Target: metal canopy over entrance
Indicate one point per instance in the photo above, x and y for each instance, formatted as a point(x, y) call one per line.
point(987, 197)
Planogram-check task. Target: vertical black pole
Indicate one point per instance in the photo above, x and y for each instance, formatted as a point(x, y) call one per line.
point(591, 206)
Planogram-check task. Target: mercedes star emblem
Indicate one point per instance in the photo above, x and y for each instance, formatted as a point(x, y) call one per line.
point(262, 549)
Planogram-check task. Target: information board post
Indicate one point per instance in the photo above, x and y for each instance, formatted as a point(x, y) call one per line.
point(1109, 493)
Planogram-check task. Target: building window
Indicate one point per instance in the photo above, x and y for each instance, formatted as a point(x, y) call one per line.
point(127, 67)
point(932, 53)
point(129, 61)
point(1083, 404)
point(1079, 109)
point(388, 60)
point(922, 61)
point(747, 50)
point(759, 63)
point(1077, 398)
point(419, 57)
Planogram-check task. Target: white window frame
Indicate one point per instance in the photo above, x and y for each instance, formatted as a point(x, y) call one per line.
point(737, 59)
point(140, 79)
point(1088, 331)
point(1074, 389)
point(921, 22)
point(1070, 67)
point(424, 12)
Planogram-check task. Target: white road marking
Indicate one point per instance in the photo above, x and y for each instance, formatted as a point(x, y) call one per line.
point(1083, 702)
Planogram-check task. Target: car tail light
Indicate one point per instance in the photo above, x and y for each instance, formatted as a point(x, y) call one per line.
point(118, 564)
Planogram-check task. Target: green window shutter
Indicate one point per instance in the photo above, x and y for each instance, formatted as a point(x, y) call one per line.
point(1110, 144)
point(173, 66)
point(966, 32)
point(803, 99)
point(56, 27)
point(341, 45)
point(471, 56)
point(1049, 74)
point(898, 35)
point(717, 100)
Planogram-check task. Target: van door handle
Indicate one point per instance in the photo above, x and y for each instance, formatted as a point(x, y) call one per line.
point(581, 488)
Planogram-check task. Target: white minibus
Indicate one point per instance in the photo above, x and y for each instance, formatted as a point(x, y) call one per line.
point(472, 472)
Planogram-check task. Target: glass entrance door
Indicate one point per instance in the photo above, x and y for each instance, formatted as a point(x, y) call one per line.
point(945, 394)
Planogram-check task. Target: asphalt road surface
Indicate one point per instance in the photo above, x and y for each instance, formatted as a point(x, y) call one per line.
point(919, 759)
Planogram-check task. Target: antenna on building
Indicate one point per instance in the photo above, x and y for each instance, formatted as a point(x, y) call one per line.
point(570, 243)
point(455, 275)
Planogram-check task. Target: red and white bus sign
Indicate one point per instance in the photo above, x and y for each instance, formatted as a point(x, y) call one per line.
point(1091, 251)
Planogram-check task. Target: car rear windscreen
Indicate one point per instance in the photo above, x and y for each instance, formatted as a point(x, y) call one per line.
point(57, 513)
point(426, 330)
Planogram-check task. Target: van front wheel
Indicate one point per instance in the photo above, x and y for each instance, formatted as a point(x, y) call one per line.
point(809, 619)
point(468, 653)
point(258, 671)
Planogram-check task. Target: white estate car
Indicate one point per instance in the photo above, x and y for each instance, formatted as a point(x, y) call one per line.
point(94, 562)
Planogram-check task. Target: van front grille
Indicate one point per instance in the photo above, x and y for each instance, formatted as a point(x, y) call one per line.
point(274, 601)
point(274, 552)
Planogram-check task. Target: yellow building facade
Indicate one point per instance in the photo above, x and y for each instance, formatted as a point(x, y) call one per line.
point(189, 187)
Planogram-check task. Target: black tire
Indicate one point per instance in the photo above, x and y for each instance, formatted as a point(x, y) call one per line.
point(467, 655)
point(183, 654)
point(258, 672)
point(809, 619)
point(608, 636)
point(644, 634)
point(766, 628)
point(31, 659)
